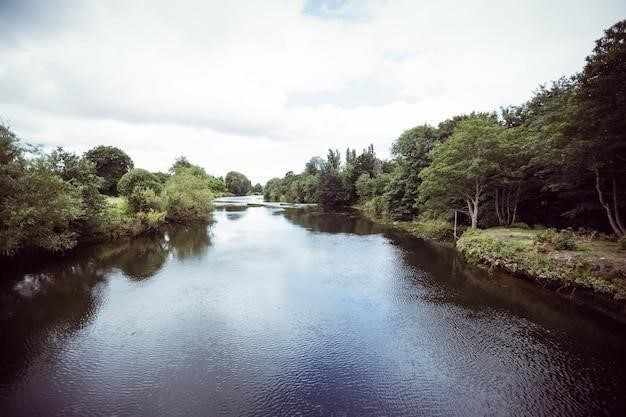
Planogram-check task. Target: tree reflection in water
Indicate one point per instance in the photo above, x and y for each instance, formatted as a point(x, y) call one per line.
point(317, 220)
point(43, 307)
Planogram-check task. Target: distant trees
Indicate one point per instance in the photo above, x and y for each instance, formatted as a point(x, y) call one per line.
point(559, 159)
point(50, 201)
point(111, 163)
point(257, 189)
point(237, 183)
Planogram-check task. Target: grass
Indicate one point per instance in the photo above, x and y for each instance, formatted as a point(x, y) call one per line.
point(592, 263)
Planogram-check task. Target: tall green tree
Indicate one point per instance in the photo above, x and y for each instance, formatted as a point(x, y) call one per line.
point(111, 163)
point(599, 123)
point(462, 168)
point(411, 151)
point(237, 183)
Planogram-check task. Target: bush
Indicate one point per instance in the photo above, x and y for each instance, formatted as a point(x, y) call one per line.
point(377, 206)
point(520, 225)
point(622, 243)
point(145, 200)
point(553, 239)
point(187, 199)
point(138, 178)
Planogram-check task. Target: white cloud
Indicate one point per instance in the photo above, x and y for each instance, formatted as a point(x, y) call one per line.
point(214, 80)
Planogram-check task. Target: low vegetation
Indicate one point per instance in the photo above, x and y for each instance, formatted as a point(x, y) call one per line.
point(563, 259)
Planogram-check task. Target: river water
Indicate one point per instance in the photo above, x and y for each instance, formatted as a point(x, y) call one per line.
point(285, 312)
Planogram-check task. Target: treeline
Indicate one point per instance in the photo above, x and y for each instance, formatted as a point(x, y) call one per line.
point(558, 159)
point(51, 201)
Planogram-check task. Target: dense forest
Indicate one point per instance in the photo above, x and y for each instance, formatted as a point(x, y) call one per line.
point(558, 160)
point(50, 201)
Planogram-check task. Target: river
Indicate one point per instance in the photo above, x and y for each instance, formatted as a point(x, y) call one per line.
point(276, 311)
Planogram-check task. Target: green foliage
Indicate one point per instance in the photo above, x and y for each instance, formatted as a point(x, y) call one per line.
point(138, 179)
point(463, 167)
point(180, 163)
point(377, 206)
point(39, 213)
point(142, 189)
point(43, 199)
point(237, 183)
point(80, 173)
point(188, 198)
point(257, 189)
point(411, 150)
point(110, 163)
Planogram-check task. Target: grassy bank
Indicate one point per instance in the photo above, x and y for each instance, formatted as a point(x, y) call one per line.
point(438, 230)
point(562, 260)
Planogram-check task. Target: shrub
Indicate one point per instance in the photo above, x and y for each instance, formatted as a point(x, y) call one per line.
point(145, 200)
point(622, 243)
point(553, 239)
point(187, 198)
point(520, 225)
point(377, 206)
point(138, 178)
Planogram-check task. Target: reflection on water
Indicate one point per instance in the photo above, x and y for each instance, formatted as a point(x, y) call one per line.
point(51, 304)
point(280, 312)
point(331, 222)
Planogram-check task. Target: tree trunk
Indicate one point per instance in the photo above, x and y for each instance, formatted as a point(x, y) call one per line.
point(616, 206)
point(515, 203)
point(609, 214)
point(497, 204)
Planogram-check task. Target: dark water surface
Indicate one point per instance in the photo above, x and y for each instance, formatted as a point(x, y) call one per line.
point(287, 312)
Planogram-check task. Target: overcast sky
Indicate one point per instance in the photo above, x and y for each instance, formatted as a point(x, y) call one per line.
point(261, 86)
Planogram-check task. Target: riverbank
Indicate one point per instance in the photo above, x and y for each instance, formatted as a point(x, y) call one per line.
point(435, 230)
point(564, 261)
point(588, 268)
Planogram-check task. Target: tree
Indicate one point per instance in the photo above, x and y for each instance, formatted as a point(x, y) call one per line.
point(237, 183)
point(411, 152)
point(462, 168)
point(187, 197)
point(37, 207)
point(257, 189)
point(80, 172)
point(272, 190)
point(142, 189)
point(111, 163)
point(313, 166)
point(180, 163)
point(599, 122)
point(333, 160)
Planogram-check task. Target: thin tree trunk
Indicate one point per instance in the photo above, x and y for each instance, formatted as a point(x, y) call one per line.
point(497, 204)
point(476, 200)
point(616, 206)
point(604, 204)
point(508, 206)
point(515, 203)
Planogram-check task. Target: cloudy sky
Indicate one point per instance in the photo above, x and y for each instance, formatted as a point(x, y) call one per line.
point(261, 86)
